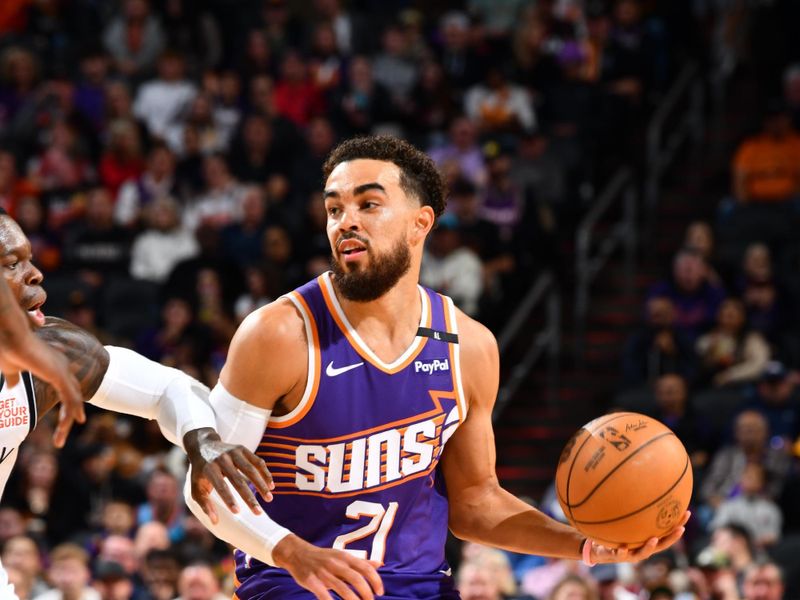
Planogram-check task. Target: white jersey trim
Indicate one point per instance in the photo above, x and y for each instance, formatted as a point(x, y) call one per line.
point(312, 365)
point(415, 344)
point(462, 401)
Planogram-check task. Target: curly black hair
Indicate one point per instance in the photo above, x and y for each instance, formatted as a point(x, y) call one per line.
point(419, 176)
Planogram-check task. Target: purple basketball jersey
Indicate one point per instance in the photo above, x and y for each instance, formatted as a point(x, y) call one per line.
point(355, 463)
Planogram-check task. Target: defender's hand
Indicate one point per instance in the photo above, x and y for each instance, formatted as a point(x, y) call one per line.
point(213, 461)
point(603, 554)
point(321, 569)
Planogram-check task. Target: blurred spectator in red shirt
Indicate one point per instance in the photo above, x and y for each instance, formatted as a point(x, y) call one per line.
point(297, 96)
point(123, 158)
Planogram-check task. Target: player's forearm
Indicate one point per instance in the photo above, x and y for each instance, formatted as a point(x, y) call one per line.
point(499, 519)
point(135, 385)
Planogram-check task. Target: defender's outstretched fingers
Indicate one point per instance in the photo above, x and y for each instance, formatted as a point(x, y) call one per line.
point(261, 466)
point(255, 476)
point(231, 471)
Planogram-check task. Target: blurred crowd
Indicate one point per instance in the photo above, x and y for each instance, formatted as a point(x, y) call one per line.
point(164, 158)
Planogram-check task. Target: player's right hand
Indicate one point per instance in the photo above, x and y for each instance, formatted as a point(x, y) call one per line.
point(321, 569)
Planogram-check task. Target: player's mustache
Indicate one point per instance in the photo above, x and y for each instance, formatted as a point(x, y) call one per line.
point(351, 235)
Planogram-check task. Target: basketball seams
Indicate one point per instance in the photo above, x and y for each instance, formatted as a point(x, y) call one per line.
point(618, 465)
point(646, 506)
point(612, 417)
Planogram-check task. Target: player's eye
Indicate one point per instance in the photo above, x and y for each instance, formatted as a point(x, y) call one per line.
point(12, 266)
point(333, 211)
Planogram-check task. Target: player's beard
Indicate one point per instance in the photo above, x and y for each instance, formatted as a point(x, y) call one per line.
point(370, 282)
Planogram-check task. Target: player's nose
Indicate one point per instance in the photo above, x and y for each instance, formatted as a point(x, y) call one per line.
point(350, 220)
point(33, 276)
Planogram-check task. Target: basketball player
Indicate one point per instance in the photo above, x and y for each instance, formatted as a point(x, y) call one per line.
point(112, 378)
point(370, 398)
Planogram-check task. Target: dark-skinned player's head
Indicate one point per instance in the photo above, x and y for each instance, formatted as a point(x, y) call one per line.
point(382, 198)
point(16, 261)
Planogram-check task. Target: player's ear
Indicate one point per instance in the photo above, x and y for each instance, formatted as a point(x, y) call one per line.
point(423, 222)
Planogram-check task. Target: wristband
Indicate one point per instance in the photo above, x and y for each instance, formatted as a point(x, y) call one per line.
point(586, 552)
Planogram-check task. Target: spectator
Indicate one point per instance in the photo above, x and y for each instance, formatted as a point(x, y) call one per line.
point(160, 101)
point(150, 536)
point(503, 201)
point(197, 582)
point(62, 165)
point(226, 96)
point(393, 68)
point(760, 515)
point(452, 268)
point(499, 106)
point(674, 409)
point(325, 63)
point(481, 236)
point(23, 554)
point(255, 157)
point(733, 544)
point(122, 159)
point(221, 202)
point(658, 347)
point(283, 270)
point(696, 299)
point(361, 103)
point(242, 240)
point(34, 493)
point(213, 135)
point(98, 249)
point(751, 446)
point(258, 59)
point(573, 587)
point(351, 29)
point(45, 244)
point(90, 94)
point(763, 581)
point(536, 170)
point(164, 504)
point(776, 397)
point(157, 181)
point(766, 167)
point(461, 157)
point(431, 106)
point(112, 582)
point(19, 73)
point(700, 237)
point(732, 354)
point(160, 573)
point(462, 64)
point(256, 295)
point(163, 244)
point(11, 524)
point(297, 96)
point(69, 573)
point(320, 139)
point(192, 32)
point(12, 186)
point(763, 297)
point(134, 39)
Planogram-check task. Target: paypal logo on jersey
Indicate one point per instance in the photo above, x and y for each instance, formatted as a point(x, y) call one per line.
point(432, 366)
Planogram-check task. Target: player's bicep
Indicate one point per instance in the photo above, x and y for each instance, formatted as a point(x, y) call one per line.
point(264, 354)
point(87, 358)
point(469, 457)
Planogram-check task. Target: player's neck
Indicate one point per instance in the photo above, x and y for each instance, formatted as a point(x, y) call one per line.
point(394, 317)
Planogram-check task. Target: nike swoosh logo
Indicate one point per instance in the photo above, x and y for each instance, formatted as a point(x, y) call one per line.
point(332, 371)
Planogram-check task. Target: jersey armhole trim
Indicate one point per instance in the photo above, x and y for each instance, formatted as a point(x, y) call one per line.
point(455, 355)
point(27, 379)
point(314, 358)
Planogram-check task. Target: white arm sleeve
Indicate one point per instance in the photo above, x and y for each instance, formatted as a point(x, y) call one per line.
point(138, 386)
point(255, 535)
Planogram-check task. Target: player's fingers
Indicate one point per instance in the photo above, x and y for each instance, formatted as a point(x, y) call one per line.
point(369, 570)
point(359, 582)
point(686, 516)
point(255, 476)
point(239, 483)
point(340, 587)
point(649, 547)
point(667, 541)
point(319, 589)
point(261, 466)
point(63, 426)
point(204, 500)
point(212, 473)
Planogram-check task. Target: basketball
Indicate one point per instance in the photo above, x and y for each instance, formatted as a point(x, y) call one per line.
point(623, 479)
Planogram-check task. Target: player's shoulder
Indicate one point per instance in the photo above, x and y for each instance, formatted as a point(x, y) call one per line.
point(477, 342)
point(276, 325)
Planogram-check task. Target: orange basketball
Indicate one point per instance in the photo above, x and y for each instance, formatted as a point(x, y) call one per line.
point(623, 479)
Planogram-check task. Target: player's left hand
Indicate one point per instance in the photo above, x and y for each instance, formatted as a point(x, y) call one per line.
point(213, 461)
point(603, 554)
